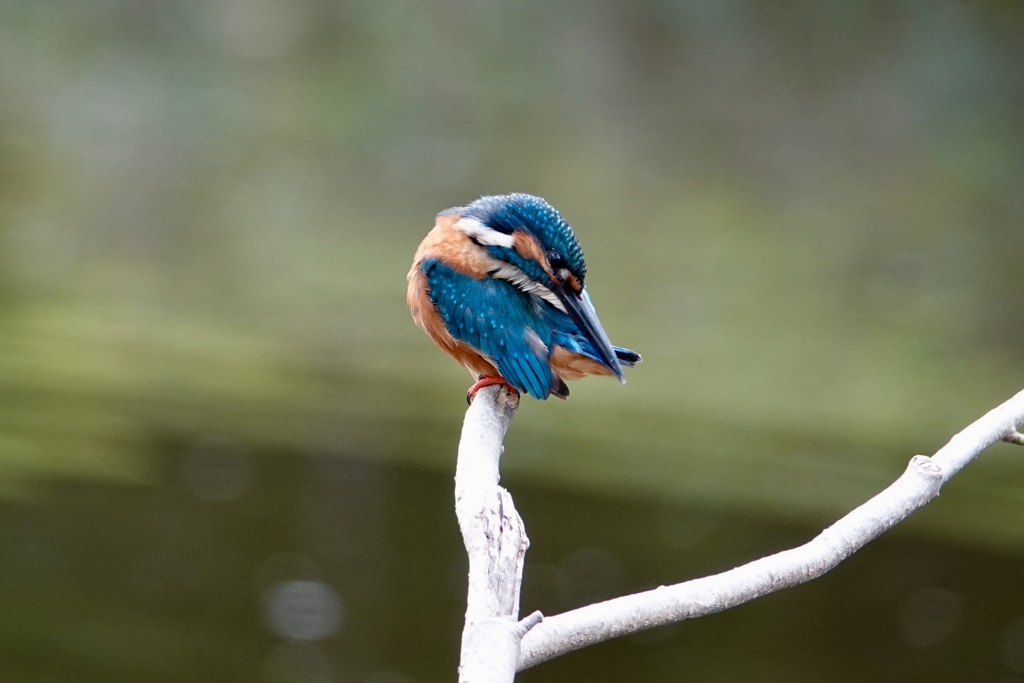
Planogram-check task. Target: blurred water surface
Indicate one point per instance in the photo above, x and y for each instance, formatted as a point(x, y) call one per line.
point(225, 451)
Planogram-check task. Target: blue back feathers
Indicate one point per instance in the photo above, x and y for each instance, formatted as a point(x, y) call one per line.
point(493, 317)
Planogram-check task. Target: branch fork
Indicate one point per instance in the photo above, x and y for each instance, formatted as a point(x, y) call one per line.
point(495, 645)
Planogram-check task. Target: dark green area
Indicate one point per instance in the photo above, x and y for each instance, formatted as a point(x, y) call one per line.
point(808, 217)
point(175, 587)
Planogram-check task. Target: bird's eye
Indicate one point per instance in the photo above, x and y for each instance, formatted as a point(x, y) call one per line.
point(556, 260)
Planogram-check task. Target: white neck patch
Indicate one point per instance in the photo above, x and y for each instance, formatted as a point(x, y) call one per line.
point(483, 234)
point(524, 284)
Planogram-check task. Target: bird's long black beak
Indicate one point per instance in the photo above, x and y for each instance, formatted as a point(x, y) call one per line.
point(582, 312)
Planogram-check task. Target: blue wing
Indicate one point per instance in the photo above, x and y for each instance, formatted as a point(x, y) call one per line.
point(498, 320)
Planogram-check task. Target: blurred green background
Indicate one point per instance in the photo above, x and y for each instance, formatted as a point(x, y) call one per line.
point(226, 452)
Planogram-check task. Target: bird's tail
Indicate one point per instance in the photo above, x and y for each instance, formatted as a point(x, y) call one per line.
point(627, 357)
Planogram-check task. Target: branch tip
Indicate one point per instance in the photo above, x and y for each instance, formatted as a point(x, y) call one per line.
point(1014, 437)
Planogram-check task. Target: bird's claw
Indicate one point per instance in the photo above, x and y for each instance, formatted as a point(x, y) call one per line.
point(486, 381)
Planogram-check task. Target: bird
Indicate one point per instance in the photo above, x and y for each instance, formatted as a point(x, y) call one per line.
point(499, 285)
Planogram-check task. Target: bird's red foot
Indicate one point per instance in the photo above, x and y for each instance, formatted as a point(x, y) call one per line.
point(486, 381)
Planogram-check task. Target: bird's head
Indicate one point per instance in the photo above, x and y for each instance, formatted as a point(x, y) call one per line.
point(535, 249)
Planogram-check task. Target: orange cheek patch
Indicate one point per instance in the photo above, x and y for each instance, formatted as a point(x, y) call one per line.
point(574, 283)
point(528, 247)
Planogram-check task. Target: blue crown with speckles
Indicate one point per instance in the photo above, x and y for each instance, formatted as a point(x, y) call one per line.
point(508, 212)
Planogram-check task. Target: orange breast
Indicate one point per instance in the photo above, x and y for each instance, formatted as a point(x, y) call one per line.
point(455, 249)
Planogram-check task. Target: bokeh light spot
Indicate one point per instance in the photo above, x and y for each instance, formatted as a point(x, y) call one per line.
point(303, 610)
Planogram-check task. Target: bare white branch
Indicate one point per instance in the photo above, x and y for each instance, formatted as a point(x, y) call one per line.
point(495, 542)
point(920, 483)
point(495, 645)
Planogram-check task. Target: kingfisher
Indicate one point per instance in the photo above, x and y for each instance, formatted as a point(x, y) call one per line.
point(499, 286)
